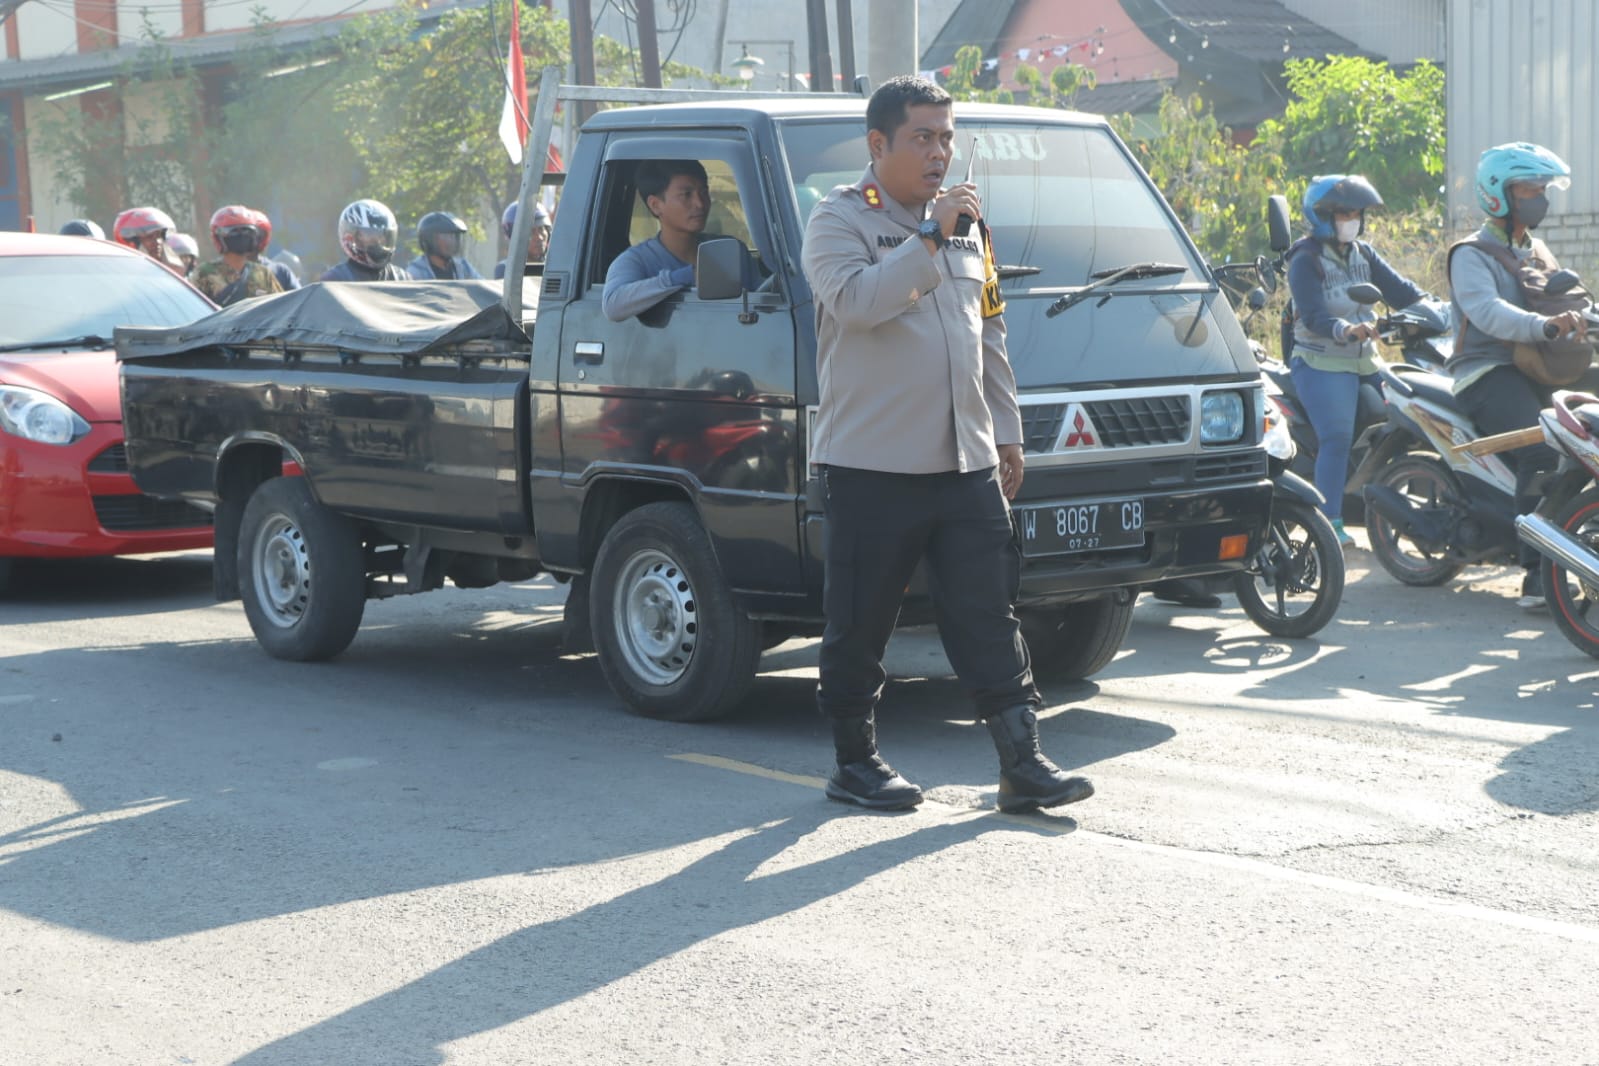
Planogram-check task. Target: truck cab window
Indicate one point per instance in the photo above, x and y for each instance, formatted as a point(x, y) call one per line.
point(629, 222)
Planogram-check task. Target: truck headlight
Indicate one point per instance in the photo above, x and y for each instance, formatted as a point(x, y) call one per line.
point(1221, 418)
point(38, 416)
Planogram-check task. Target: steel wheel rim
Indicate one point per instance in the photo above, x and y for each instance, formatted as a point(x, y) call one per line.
point(656, 617)
point(282, 572)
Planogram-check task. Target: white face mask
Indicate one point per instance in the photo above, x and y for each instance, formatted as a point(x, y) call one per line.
point(1347, 230)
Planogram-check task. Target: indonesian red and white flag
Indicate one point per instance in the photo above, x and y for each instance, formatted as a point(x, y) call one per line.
point(513, 120)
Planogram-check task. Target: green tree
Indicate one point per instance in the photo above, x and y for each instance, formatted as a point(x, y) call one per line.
point(961, 83)
point(1351, 115)
point(1217, 187)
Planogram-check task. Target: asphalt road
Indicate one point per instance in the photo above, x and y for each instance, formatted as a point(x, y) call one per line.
point(453, 845)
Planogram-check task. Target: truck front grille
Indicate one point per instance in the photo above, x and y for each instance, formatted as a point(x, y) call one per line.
point(130, 514)
point(1229, 467)
point(1140, 420)
point(1041, 425)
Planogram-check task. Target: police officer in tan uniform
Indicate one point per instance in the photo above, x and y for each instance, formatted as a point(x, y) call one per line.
point(919, 438)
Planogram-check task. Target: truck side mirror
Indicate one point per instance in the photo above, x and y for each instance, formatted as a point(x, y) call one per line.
point(1282, 234)
point(1257, 298)
point(720, 269)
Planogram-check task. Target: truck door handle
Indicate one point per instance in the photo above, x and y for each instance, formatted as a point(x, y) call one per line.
point(590, 352)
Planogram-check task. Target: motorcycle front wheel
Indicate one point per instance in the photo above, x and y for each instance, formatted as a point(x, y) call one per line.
point(1573, 602)
point(1296, 580)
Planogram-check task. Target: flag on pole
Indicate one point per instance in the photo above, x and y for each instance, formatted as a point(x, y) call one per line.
point(513, 120)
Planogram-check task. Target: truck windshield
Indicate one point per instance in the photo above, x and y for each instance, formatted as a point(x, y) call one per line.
point(1063, 199)
point(48, 298)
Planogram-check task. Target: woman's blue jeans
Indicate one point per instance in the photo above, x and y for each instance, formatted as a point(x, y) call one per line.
point(1331, 399)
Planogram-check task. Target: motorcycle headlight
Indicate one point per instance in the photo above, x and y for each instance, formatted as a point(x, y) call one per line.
point(1221, 418)
point(38, 416)
point(1277, 440)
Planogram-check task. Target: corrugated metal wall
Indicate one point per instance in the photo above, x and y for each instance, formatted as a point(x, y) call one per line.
point(1523, 70)
point(1401, 31)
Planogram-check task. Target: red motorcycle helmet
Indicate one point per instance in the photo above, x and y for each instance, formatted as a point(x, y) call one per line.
point(264, 224)
point(137, 222)
point(231, 219)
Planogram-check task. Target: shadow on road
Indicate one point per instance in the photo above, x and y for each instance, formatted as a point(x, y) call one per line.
point(59, 589)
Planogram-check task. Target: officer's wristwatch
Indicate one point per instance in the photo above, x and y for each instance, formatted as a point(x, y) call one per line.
point(932, 231)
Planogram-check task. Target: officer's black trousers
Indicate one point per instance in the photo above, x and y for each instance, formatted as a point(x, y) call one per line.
point(879, 526)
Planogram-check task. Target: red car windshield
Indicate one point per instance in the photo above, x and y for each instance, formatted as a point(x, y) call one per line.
point(46, 299)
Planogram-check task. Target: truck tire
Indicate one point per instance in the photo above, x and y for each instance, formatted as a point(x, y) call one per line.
point(672, 642)
point(1078, 640)
point(302, 572)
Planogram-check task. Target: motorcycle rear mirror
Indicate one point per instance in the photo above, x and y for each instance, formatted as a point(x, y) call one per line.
point(1257, 298)
point(1267, 274)
point(1365, 293)
point(1282, 234)
point(1562, 281)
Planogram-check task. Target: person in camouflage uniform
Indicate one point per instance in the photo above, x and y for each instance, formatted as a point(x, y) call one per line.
point(236, 232)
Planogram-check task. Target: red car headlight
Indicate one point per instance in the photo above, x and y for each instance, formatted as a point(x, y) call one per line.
point(38, 416)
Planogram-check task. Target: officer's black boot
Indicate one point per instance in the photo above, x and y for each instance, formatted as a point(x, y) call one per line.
point(861, 775)
point(1028, 780)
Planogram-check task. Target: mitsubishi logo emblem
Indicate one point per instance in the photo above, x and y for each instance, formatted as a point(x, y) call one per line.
point(1082, 433)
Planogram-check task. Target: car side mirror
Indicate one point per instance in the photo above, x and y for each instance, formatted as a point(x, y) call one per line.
point(1282, 234)
point(720, 269)
point(1365, 293)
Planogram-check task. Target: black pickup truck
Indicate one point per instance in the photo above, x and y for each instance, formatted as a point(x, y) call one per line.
point(442, 430)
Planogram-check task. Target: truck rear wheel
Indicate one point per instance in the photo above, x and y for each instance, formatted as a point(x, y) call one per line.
point(302, 572)
point(1078, 640)
point(671, 640)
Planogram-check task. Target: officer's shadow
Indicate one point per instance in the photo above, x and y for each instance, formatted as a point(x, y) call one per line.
point(545, 965)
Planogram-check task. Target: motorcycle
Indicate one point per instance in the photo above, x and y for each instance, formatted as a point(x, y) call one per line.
point(1565, 527)
point(1435, 500)
point(1294, 583)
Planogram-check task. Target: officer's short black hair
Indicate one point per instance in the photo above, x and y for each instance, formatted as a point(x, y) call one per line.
point(654, 175)
point(891, 102)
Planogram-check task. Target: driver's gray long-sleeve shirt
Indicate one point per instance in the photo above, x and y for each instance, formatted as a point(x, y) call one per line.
point(913, 377)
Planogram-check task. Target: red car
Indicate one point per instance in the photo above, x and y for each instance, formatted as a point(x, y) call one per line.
point(64, 485)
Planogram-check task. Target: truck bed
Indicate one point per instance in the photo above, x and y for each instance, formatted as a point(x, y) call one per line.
point(398, 400)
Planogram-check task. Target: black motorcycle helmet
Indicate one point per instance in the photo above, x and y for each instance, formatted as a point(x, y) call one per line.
point(83, 227)
point(436, 224)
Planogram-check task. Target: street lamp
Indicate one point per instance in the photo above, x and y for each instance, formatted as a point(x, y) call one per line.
point(747, 65)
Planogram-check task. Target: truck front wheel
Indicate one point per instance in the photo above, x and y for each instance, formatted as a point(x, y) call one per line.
point(302, 572)
point(1078, 640)
point(671, 640)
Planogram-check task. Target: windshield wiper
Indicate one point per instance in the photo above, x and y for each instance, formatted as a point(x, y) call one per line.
point(87, 340)
point(1006, 271)
point(1103, 278)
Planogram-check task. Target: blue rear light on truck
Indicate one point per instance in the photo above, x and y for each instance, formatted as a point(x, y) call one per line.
point(1221, 418)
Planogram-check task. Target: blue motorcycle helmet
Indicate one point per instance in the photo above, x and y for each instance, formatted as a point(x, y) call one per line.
point(1327, 193)
point(1505, 164)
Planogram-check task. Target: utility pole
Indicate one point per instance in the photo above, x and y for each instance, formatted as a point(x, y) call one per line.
point(581, 21)
point(649, 45)
point(821, 55)
point(846, 44)
point(891, 39)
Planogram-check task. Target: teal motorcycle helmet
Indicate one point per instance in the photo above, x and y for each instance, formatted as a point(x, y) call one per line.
point(1505, 164)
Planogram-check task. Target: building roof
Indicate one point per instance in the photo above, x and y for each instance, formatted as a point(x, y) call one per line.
point(1117, 97)
point(977, 22)
point(1261, 30)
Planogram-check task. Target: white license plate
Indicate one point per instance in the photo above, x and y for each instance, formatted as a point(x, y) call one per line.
point(1056, 529)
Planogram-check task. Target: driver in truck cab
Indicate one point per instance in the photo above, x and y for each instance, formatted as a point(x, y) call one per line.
point(918, 433)
point(678, 193)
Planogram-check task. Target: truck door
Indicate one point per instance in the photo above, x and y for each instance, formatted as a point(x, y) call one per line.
point(691, 393)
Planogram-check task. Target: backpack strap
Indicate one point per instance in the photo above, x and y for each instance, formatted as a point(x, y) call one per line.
point(1494, 250)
